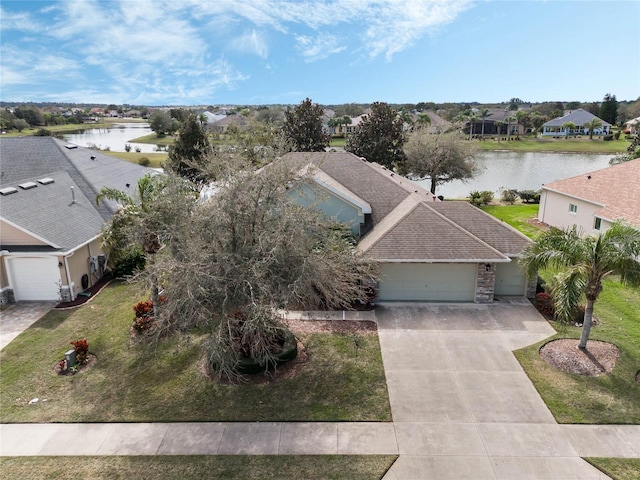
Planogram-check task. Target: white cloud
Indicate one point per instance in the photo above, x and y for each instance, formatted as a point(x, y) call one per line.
point(17, 21)
point(319, 47)
point(250, 42)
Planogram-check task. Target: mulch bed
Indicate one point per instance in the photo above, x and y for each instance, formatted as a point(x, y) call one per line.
point(91, 361)
point(598, 358)
point(93, 291)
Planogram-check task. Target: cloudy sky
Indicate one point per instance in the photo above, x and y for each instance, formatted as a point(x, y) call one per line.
point(192, 52)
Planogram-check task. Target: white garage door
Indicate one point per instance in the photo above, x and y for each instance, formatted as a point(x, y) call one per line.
point(35, 278)
point(510, 280)
point(437, 282)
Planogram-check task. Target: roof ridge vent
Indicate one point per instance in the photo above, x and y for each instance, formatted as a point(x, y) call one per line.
point(27, 185)
point(7, 191)
point(45, 181)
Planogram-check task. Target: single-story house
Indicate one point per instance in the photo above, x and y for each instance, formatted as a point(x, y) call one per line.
point(428, 250)
point(224, 123)
point(594, 200)
point(632, 126)
point(50, 225)
point(500, 121)
point(579, 118)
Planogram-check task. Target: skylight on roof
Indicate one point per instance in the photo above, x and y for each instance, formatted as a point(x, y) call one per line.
point(8, 191)
point(28, 185)
point(45, 181)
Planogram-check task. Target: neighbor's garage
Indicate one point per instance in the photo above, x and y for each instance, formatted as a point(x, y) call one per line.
point(510, 279)
point(435, 282)
point(34, 278)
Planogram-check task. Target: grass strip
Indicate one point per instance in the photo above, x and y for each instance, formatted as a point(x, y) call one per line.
point(617, 468)
point(187, 467)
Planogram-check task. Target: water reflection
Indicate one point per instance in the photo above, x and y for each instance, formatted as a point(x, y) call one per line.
point(115, 138)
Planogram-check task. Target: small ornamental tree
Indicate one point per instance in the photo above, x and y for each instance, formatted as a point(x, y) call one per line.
point(379, 137)
point(189, 150)
point(303, 128)
point(441, 158)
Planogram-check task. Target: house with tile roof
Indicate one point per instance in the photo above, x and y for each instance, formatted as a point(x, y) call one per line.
point(428, 250)
point(579, 118)
point(594, 200)
point(50, 225)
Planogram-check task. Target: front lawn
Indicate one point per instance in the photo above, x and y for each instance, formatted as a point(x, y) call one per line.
point(610, 398)
point(518, 216)
point(156, 159)
point(618, 468)
point(185, 467)
point(343, 379)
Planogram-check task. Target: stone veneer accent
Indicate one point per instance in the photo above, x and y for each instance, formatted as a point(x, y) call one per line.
point(485, 283)
point(65, 293)
point(6, 296)
point(532, 284)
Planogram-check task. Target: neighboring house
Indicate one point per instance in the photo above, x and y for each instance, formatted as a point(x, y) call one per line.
point(437, 124)
point(351, 128)
point(632, 126)
point(212, 118)
point(577, 117)
point(50, 225)
point(428, 250)
point(223, 124)
point(594, 200)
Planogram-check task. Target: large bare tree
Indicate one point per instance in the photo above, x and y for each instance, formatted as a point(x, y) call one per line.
point(247, 252)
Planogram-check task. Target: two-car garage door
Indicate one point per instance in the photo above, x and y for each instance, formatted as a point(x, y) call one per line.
point(34, 278)
point(436, 282)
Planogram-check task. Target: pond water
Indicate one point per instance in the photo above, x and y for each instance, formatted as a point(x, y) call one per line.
point(521, 171)
point(115, 137)
point(499, 169)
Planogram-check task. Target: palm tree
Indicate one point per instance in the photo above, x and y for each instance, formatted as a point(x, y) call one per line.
point(499, 125)
point(509, 119)
point(135, 213)
point(520, 115)
point(568, 128)
point(423, 121)
point(592, 124)
point(484, 113)
point(472, 117)
point(583, 263)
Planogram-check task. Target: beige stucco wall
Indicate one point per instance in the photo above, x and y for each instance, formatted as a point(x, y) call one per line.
point(554, 210)
point(79, 265)
point(10, 235)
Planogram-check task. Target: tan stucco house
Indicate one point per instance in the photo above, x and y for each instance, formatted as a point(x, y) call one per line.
point(50, 225)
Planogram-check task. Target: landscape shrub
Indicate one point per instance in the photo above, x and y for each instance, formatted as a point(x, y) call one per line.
point(607, 138)
point(544, 304)
point(127, 147)
point(529, 196)
point(81, 347)
point(144, 161)
point(480, 198)
point(131, 261)
point(509, 196)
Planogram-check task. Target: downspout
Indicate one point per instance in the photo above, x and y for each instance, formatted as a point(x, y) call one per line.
point(90, 275)
point(66, 267)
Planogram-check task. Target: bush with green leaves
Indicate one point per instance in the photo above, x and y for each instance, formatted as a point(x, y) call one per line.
point(144, 161)
point(479, 198)
point(132, 260)
point(509, 196)
point(529, 196)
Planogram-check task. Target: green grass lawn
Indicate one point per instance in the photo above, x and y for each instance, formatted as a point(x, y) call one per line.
point(618, 468)
point(187, 467)
point(343, 379)
point(154, 139)
point(582, 145)
point(612, 398)
point(518, 216)
point(157, 159)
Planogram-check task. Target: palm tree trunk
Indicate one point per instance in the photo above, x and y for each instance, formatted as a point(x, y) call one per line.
point(586, 324)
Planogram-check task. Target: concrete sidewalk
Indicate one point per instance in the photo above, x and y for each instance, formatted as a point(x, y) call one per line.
point(462, 408)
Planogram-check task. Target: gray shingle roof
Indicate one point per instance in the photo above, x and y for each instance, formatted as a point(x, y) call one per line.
point(578, 117)
point(408, 222)
point(45, 210)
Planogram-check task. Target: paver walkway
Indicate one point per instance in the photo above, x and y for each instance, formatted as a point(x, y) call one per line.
point(462, 408)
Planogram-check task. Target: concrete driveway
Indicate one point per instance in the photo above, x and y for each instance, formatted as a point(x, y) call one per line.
point(17, 317)
point(462, 406)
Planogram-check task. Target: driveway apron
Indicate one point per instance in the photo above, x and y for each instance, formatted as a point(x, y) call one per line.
point(17, 317)
point(462, 406)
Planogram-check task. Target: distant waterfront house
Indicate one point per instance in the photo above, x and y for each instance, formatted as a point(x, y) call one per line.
point(223, 124)
point(594, 200)
point(579, 118)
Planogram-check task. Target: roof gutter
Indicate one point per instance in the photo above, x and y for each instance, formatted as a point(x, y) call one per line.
point(427, 261)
